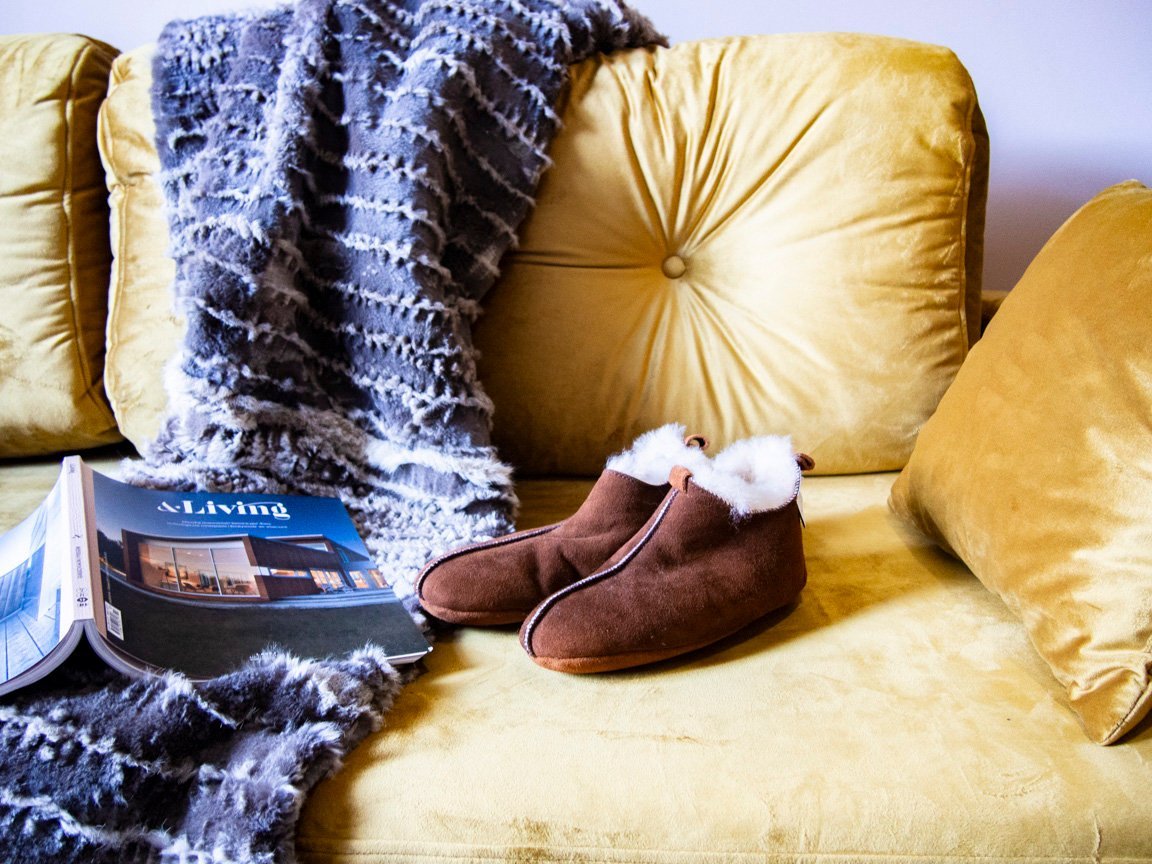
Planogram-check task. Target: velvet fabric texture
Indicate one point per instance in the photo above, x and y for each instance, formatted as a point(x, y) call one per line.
point(776, 234)
point(831, 264)
point(54, 253)
point(144, 328)
point(1036, 469)
point(898, 713)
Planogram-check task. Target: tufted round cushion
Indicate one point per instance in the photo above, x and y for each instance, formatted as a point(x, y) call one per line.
point(764, 235)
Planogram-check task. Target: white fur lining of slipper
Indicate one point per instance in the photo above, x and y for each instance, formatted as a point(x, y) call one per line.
point(753, 475)
point(654, 454)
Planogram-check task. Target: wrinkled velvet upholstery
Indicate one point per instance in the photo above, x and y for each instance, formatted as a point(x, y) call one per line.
point(763, 235)
point(1037, 469)
point(54, 252)
point(143, 329)
point(775, 234)
point(897, 713)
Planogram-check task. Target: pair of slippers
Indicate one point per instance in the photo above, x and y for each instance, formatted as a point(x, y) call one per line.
point(671, 551)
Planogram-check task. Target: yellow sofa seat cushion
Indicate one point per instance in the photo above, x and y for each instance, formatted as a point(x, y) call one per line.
point(772, 234)
point(897, 714)
point(143, 328)
point(1037, 468)
point(54, 254)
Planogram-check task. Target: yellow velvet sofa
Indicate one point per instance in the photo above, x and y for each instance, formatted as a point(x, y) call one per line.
point(763, 235)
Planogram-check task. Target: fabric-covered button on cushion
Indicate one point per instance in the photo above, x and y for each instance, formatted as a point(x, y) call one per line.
point(762, 235)
point(674, 267)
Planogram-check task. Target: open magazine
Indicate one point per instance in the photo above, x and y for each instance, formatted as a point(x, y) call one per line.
point(191, 581)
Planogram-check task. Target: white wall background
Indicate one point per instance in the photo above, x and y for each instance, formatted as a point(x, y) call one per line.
point(1065, 85)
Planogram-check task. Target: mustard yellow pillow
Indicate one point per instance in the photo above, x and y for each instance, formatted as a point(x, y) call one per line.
point(143, 329)
point(54, 252)
point(1037, 468)
point(766, 234)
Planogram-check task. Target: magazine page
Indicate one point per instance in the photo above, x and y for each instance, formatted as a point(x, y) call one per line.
point(198, 582)
point(36, 592)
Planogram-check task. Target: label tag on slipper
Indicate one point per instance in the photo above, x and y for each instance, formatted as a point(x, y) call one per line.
point(678, 479)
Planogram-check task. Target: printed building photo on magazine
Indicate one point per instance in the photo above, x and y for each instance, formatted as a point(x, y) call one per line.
point(29, 602)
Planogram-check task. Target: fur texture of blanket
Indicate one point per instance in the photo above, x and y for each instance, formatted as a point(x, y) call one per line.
point(343, 177)
point(163, 770)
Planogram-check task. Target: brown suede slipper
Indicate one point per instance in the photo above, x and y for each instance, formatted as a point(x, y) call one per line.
point(500, 581)
point(709, 562)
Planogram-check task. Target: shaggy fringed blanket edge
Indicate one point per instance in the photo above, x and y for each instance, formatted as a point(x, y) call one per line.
point(164, 769)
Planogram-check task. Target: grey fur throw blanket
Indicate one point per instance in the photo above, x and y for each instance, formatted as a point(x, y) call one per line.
point(343, 177)
point(161, 770)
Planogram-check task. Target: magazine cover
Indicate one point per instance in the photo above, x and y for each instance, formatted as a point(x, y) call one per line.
point(190, 581)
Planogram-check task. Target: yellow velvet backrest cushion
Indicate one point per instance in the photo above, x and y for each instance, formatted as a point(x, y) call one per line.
point(54, 254)
point(776, 234)
point(1037, 468)
point(825, 194)
point(143, 329)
